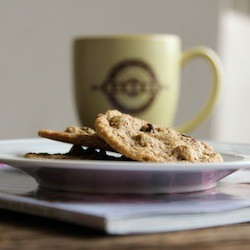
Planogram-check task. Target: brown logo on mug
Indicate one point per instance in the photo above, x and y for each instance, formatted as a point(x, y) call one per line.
point(131, 86)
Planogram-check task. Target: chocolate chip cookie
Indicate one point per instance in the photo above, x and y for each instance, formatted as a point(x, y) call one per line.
point(76, 153)
point(142, 141)
point(78, 136)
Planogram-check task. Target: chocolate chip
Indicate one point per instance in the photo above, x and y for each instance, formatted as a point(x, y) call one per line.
point(151, 128)
point(102, 152)
point(148, 128)
point(76, 150)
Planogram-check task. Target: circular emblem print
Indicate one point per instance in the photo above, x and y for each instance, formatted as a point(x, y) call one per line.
point(131, 86)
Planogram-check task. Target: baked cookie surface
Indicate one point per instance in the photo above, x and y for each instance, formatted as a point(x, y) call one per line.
point(84, 136)
point(142, 141)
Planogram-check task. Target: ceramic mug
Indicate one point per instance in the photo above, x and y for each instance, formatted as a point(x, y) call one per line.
point(136, 74)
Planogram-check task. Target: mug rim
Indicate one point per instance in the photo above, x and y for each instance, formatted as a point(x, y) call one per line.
point(128, 36)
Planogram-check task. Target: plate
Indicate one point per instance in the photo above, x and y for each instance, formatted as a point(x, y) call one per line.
point(93, 176)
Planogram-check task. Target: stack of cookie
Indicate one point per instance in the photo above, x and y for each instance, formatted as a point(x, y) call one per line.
point(94, 147)
point(133, 138)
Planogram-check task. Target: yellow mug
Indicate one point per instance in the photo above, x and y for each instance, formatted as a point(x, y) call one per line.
point(136, 74)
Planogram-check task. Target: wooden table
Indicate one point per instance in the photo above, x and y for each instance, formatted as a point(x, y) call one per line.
point(19, 231)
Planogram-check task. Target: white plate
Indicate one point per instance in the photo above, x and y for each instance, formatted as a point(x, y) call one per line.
point(120, 176)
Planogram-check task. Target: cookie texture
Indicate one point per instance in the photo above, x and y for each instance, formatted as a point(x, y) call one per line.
point(84, 136)
point(142, 141)
point(77, 153)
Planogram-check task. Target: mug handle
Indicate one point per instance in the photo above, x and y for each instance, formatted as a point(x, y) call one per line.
point(212, 58)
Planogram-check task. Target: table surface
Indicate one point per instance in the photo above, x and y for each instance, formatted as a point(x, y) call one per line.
point(20, 231)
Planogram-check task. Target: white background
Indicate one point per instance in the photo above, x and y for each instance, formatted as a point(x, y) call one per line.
point(36, 82)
